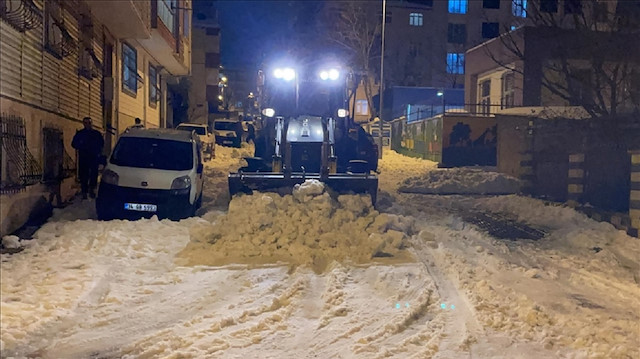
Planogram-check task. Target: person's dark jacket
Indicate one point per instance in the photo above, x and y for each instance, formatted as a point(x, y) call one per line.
point(89, 143)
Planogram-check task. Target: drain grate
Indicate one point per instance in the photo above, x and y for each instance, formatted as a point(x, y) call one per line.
point(502, 227)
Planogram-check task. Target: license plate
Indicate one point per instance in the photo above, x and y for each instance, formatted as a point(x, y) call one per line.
point(227, 142)
point(141, 207)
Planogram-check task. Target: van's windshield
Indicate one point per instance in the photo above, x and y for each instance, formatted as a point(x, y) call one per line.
point(153, 153)
point(200, 130)
point(225, 126)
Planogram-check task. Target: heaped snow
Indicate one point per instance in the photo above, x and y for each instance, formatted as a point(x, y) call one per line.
point(466, 180)
point(298, 277)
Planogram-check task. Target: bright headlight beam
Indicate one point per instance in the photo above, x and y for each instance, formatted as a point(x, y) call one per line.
point(278, 73)
point(324, 75)
point(334, 74)
point(288, 74)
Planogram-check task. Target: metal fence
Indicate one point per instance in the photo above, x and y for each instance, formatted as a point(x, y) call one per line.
point(18, 167)
point(416, 113)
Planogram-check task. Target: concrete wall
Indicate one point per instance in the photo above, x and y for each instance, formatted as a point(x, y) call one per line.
point(15, 208)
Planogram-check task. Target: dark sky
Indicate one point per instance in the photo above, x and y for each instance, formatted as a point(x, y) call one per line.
point(254, 30)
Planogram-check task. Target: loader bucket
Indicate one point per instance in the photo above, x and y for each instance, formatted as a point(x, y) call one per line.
point(341, 183)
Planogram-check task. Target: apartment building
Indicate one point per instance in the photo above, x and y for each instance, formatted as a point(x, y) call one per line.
point(63, 60)
point(204, 89)
point(426, 40)
point(567, 64)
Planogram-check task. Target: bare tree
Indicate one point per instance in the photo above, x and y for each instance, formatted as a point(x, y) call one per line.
point(587, 58)
point(355, 26)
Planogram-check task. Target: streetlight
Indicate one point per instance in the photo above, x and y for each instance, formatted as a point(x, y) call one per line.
point(384, 20)
point(440, 93)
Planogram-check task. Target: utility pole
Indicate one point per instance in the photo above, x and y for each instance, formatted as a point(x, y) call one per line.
point(384, 20)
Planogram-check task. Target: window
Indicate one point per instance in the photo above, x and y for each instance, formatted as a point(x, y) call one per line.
point(506, 100)
point(88, 61)
point(166, 13)
point(415, 19)
point(53, 27)
point(455, 63)
point(491, 4)
point(490, 30)
point(519, 8)
point(129, 69)
point(154, 94)
point(458, 6)
point(186, 26)
point(484, 94)
point(362, 107)
point(457, 33)
point(580, 87)
point(572, 7)
point(153, 153)
point(550, 6)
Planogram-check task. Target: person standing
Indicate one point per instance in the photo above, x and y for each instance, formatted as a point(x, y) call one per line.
point(251, 133)
point(88, 142)
point(137, 123)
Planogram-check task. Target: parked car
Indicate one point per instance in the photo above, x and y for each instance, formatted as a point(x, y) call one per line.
point(207, 139)
point(152, 172)
point(228, 132)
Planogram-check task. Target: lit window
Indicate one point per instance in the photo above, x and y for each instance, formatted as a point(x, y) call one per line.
point(458, 6)
point(153, 86)
point(519, 8)
point(129, 69)
point(455, 63)
point(362, 107)
point(415, 19)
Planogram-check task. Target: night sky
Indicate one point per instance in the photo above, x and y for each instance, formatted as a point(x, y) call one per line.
point(252, 31)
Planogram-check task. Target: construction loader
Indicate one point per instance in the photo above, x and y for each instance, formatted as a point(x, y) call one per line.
point(313, 138)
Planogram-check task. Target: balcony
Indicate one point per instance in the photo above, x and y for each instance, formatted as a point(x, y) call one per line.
point(165, 44)
point(125, 19)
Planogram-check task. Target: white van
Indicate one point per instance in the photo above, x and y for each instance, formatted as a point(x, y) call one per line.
point(152, 172)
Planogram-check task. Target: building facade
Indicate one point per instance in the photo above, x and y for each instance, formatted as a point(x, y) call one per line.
point(426, 40)
point(64, 60)
point(205, 80)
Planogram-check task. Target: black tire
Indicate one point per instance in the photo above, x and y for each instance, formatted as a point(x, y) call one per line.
point(198, 203)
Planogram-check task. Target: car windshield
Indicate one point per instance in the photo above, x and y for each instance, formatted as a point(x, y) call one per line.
point(200, 130)
point(153, 153)
point(225, 126)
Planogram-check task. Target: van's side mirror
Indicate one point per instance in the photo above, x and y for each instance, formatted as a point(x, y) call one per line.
point(200, 168)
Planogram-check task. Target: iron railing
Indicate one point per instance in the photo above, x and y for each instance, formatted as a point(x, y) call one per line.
point(18, 167)
point(422, 112)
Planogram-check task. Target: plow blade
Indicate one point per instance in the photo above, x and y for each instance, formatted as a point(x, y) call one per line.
point(278, 182)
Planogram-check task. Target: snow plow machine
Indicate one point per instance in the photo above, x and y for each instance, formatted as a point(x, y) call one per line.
point(313, 138)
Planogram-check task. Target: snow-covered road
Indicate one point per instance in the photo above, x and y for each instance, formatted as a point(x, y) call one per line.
point(198, 289)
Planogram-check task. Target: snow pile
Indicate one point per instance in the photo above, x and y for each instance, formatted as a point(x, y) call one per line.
point(11, 242)
point(394, 167)
point(224, 153)
point(461, 181)
point(307, 228)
